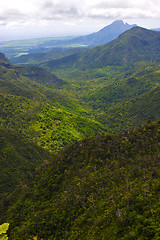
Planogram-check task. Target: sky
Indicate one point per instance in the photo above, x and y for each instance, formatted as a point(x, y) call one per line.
point(24, 19)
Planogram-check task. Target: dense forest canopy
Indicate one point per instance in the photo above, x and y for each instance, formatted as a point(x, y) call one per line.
point(80, 140)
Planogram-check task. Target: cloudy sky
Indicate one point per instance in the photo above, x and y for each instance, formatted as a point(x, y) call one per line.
point(21, 19)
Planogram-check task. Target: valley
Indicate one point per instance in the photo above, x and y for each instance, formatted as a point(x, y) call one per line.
point(79, 136)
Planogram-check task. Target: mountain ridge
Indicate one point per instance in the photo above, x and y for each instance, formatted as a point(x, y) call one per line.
point(104, 35)
point(104, 187)
point(68, 47)
point(136, 44)
point(96, 186)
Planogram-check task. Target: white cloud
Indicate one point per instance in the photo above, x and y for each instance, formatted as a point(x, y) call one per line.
point(72, 12)
point(21, 10)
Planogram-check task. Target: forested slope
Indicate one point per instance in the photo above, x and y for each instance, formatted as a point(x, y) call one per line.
point(49, 117)
point(19, 157)
point(62, 179)
point(106, 187)
point(136, 44)
point(140, 109)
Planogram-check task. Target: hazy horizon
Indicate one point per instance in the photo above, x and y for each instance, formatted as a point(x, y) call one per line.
point(22, 19)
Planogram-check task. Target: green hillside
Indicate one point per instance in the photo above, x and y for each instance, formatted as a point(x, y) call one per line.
point(32, 51)
point(123, 85)
point(99, 94)
point(16, 81)
point(136, 44)
point(37, 85)
point(49, 126)
point(140, 109)
point(19, 157)
point(32, 104)
point(107, 90)
point(60, 177)
point(106, 187)
point(40, 75)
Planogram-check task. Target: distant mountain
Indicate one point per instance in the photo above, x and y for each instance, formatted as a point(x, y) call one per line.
point(103, 187)
point(136, 44)
point(105, 35)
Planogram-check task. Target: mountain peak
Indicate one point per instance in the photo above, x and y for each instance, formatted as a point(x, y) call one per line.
point(105, 35)
point(135, 45)
point(121, 22)
point(117, 22)
point(118, 26)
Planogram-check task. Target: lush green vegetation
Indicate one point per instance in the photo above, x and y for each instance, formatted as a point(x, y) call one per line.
point(103, 94)
point(106, 187)
point(133, 112)
point(125, 86)
point(137, 44)
point(64, 47)
point(48, 126)
point(19, 157)
point(40, 75)
point(32, 83)
point(117, 95)
point(46, 115)
point(60, 178)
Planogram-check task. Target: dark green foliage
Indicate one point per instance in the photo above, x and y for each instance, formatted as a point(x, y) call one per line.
point(105, 90)
point(32, 86)
point(120, 87)
point(45, 115)
point(48, 126)
point(63, 63)
point(137, 44)
point(40, 75)
point(105, 187)
point(120, 97)
point(18, 159)
point(13, 82)
point(133, 112)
